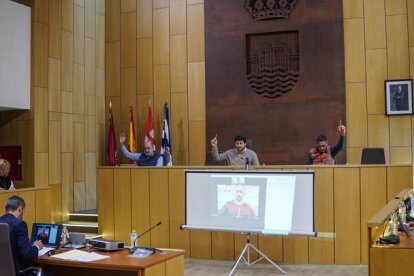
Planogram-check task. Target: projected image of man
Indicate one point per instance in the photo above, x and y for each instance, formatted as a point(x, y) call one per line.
point(237, 207)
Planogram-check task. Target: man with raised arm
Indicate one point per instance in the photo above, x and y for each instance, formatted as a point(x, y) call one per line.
point(238, 156)
point(323, 154)
point(148, 158)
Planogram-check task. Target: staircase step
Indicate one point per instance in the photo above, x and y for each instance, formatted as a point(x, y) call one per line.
point(81, 226)
point(83, 217)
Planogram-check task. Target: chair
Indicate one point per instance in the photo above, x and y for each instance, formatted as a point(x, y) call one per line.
point(6, 255)
point(373, 156)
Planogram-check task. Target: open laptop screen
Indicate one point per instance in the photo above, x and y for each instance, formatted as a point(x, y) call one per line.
point(48, 233)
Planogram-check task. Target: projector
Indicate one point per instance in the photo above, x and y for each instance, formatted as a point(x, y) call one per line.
point(107, 245)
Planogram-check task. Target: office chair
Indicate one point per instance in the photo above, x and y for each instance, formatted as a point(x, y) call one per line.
point(6, 255)
point(373, 156)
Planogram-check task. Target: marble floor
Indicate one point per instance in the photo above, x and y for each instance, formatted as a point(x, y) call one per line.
point(197, 267)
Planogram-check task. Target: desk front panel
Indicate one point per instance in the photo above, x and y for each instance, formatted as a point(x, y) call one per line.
point(343, 201)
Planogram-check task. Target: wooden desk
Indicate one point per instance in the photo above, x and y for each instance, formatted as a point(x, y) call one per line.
point(394, 259)
point(170, 262)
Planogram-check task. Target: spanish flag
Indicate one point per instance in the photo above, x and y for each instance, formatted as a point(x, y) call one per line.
point(132, 145)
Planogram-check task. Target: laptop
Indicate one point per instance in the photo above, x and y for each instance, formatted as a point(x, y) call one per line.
point(48, 233)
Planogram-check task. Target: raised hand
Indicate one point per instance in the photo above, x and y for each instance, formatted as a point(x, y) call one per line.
point(122, 138)
point(214, 141)
point(341, 128)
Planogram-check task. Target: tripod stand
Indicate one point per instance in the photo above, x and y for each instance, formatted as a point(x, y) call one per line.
point(247, 261)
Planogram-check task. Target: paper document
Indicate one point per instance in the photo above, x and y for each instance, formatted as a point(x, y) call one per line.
point(44, 250)
point(80, 256)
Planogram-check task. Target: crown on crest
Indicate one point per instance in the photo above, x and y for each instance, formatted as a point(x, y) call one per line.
point(264, 10)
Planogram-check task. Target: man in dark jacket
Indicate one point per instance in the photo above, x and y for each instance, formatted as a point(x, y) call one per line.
point(23, 252)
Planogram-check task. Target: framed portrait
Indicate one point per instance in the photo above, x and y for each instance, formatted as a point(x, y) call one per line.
point(399, 97)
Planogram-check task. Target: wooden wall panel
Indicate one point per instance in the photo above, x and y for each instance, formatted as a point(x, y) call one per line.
point(179, 128)
point(196, 91)
point(41, 173)
point(376, 74)
point(375, 34)
point(272, 246)
point(90, 171)
point(67, 184)
point(41, 139)
point(55, 152)
point(398, 178)
point(67, 62)
point(79, 152)
point(128, 40)
point(178, 238)
point(128, 6)
point(55, 29)
point(353, 9)
point(321, 250)
point(356, 114)
point(144, 66)
point(161, 95)
point(354, 50)
point(79, 89)
point(90, 134)
point(43, 205)
point(400, 155)
point(222, 246)
point(400, 131)
point(112, 68)
point(197, 142)
point(395, 7)
point(100, 41)
point(67, 15)
point(195, 33)
point(56, 212)
point(128, 88)
point(410, 15)
point(90, 56)
point(373, 197)
point(347, 215)
point(122, 204)
point(295, 250)
point(27, 127)
point(79, 35)
point(159, 210)
point(40, 50)
point(79, 196)
point(140, 189)
point(178, 17)
point(105, 192)
point(90, 29)
point(113, 20)
point(100, 6)
point(378, 135)
point(144, 18)
point(200, 244)
point(161, 36)
point(54, 98)
point(178, 61)
point(397, 47)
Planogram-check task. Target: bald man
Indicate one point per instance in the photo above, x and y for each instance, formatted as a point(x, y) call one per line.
point(148, 158)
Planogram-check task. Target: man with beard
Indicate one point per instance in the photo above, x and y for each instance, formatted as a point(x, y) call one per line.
point(239, 156)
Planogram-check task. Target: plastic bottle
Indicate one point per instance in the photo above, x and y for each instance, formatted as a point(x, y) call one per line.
point(134, 240)
point(64, 236)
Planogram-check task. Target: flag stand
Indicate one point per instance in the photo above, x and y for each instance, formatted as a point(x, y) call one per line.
point(247, 261)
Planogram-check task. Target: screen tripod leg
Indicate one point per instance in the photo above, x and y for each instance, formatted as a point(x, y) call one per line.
point(248, 263)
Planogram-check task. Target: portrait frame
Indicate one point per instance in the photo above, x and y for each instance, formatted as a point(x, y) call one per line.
point(398, 97)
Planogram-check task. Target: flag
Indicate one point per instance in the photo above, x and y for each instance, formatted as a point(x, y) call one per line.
point(166, 138)
point(111, 156)
point(132, 145)
point(149, 132)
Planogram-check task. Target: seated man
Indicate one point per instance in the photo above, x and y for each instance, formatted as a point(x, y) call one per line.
point(323, 154)
point(148, 158)
point(5, 182)
point(237, 156)
point(23, 252)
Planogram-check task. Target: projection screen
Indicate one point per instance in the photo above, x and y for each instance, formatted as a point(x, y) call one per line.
point(266, 202)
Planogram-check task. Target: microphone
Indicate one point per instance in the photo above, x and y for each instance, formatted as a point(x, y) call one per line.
point(247, 164)
point(132, 249)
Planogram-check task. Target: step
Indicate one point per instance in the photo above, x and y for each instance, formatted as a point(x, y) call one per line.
point(83, 217)
point(81, 226)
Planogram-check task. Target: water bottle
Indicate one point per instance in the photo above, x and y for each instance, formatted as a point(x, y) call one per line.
point(64, 236)
point(134, 240)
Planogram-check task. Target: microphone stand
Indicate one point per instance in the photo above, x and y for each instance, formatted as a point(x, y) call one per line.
point(132, 249)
